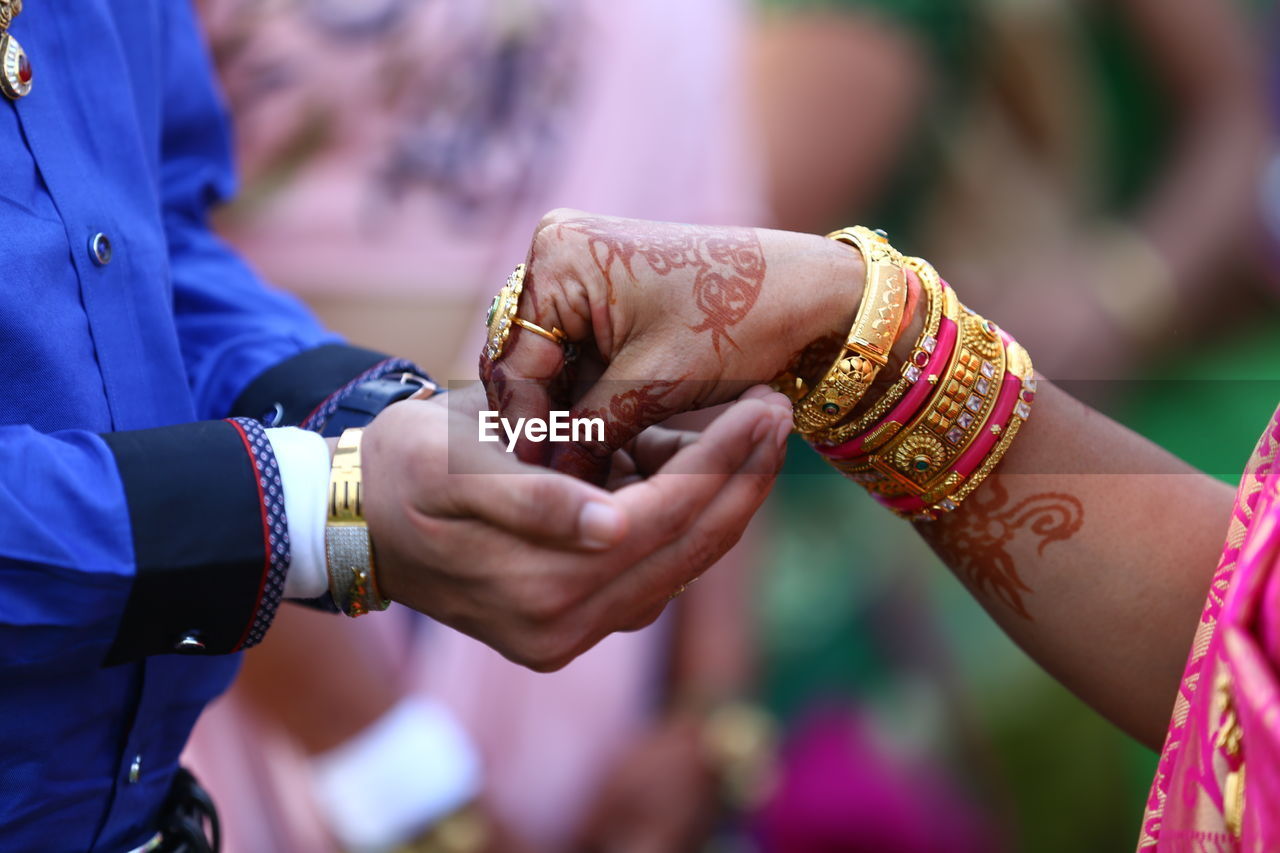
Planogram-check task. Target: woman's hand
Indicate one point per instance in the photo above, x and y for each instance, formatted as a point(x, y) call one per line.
point(668, 318)
point(540, 565)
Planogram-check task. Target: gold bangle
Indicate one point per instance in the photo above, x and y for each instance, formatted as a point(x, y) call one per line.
point(939, 302)
point(348, 550)
point(875, 328)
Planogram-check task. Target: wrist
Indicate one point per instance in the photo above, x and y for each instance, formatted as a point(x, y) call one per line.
point(843, 282)
point(831, 301)
point(912, 326)
point(823, 283)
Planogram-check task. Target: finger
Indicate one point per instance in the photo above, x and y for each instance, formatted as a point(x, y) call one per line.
point(655, 447)
point(627, 399)
point(521, 382)
point(657, 511)
point(663, 505)
point(738, 455)
point(766, 394)
point(515, 394)
point(744, 443)
point(644, 591)
point(531, 502)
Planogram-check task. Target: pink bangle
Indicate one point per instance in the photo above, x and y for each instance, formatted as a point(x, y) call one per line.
point(976, 452)
point(909, 405)
point(1016, 397)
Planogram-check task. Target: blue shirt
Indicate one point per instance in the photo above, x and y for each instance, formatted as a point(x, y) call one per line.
point(122, 134)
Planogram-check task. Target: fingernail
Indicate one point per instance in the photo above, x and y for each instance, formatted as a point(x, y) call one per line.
point(599, 525)
point(779, 400)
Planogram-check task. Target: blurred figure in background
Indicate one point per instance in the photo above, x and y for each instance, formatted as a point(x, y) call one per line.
point(1120, 140)
point(1123, 139)
point(395, 156)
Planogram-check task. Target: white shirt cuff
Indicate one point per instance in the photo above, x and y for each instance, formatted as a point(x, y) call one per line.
point(303, 457)
point(411, 767)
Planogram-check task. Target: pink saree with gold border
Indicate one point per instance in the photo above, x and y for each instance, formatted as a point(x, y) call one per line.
point(1217, 787)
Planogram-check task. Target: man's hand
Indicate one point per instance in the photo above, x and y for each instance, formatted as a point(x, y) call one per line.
point(540, 565)
point(669, 318)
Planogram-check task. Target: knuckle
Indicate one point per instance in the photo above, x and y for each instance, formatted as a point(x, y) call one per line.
point(546, 506)
point(546, 233)
point(554, 217)
point(544, 608)
point(551, 664)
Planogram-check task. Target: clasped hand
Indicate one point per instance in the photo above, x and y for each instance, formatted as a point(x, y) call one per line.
point(511, 549)
point(541, 565)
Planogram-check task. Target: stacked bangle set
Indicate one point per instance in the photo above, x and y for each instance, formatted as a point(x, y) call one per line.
point(939, 430)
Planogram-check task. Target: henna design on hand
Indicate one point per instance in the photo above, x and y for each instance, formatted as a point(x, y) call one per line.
point(632, 409)
point(815, 359)
point(974, 542)
point(497, 385)
point(728, 264)
point(626, 413)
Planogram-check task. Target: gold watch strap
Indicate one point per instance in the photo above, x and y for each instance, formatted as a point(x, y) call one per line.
point(348, 550)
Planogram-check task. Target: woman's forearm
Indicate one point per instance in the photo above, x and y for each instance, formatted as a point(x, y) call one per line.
point(1093, 549)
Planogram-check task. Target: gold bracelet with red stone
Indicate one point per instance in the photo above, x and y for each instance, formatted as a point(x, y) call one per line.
point(938, 300)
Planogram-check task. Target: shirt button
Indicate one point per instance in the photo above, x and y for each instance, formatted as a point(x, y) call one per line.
point(135, 769)
point(100, 249)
